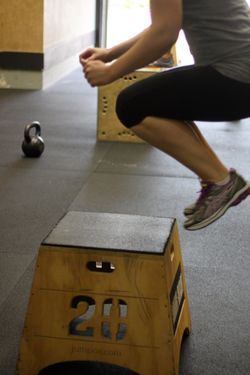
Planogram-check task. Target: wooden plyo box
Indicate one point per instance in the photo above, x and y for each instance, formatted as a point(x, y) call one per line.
point(108, 290)
point(109, 127)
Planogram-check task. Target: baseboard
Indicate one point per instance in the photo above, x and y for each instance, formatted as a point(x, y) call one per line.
point(35, 80)
point(58, 61)
point(21, 79)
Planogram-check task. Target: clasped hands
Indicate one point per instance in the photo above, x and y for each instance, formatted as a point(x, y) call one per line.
point(95, 65)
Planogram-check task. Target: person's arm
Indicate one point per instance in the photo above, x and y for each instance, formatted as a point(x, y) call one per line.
point(108, 54)
point(166, 22)
point(120, 49)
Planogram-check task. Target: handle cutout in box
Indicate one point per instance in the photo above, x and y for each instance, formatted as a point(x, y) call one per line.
point(105, 267)
point(172, 253)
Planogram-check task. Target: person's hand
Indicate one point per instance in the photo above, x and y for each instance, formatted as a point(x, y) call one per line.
point(97, 73)
point(91, 54)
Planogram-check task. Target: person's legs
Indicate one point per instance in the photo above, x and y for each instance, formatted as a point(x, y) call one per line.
point(179, 140)
point(187, 93)
point(224, 188)
point(152, 106)
point(160, 111)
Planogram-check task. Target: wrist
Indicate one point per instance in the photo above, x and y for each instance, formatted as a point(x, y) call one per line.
point(110, 54)
point(111, 73)
point(106, 55)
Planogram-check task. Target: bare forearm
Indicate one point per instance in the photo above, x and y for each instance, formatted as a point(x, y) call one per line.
point(145, 50)
point(120, 49)
point(146, 47)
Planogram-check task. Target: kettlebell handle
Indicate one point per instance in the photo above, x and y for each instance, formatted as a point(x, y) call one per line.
point(28, 128)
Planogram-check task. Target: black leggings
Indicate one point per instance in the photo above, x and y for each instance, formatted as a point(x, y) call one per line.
point(185, 93)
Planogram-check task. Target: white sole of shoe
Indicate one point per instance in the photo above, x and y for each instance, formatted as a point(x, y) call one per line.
point(245, 191)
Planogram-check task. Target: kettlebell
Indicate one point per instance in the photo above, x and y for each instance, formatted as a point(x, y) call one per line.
point(33, 146)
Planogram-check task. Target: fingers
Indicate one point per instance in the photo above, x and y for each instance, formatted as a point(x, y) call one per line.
point(89, 72)
point(85, 56)
point(83, 60)
point(87, 53)
point(94, 72)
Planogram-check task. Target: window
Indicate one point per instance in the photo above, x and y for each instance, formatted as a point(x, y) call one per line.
point(126, 18)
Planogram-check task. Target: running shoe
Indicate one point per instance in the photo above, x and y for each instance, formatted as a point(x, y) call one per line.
point(214, 200)
point(189, 210)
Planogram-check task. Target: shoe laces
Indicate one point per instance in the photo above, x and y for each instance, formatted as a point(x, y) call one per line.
point(205, 189)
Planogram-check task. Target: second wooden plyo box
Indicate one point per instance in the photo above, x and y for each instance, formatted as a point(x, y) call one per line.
point(109, 289)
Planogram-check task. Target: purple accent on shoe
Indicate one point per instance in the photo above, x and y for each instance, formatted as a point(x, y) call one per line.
point(243, 196)
point(205, 187)
point(214, 201)
point(204, 192)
